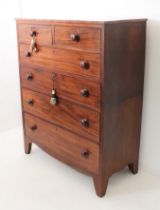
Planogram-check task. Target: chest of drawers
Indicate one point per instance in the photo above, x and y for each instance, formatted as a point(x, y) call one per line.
point(82, 91)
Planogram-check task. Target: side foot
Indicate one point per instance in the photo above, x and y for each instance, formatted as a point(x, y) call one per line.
point(133, 167)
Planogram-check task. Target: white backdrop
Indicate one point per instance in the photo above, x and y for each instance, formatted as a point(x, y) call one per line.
point(10, 114)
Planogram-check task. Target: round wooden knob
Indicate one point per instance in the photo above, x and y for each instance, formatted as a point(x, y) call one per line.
point(36, 50)
point(85, 153)
point(30, 101)
point(85, 92)
point(85, 123)
point(28, 54)
point(75, 37)
point(84, 64)
point(33, 33)
point(29, 76)
point(33, 127)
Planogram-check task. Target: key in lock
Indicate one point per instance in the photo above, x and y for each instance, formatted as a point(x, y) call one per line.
point(53, 99)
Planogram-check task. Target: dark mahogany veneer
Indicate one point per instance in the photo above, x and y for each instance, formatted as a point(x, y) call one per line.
point(92, 118)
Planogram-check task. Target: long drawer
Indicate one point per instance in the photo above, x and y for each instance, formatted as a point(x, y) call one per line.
point(75, 118)
point(66, 146)
point(60, 60)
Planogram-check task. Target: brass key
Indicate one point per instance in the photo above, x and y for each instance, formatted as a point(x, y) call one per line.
point(53, 99)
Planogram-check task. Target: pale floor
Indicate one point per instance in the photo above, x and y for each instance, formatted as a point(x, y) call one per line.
point(39, 182)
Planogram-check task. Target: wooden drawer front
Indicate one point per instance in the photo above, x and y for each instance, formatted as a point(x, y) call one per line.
point(41, 59)
point(78, 38)
point(65, 114)
point(37, 79)
point(63, 144)
point(62, 60)
point(76, 62)
point(43, 34)
point(80, 90)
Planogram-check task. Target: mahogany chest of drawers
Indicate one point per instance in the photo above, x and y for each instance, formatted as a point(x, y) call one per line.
point(82, 91)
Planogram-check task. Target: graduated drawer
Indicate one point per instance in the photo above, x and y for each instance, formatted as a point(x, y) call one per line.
point(81, 90)
point(66, 146)
point(80, 63)
point(37, 79)
point(77, 37)
point(75, 118)
point(43, 34)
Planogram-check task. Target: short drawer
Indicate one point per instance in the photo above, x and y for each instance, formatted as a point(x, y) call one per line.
point(43, 34)
point(75, 118)
point(77, 37)
point(37, 79)
point(81, 90)
point(66, 146)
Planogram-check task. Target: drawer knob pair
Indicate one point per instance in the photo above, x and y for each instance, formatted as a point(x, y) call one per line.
point(85, 153)
point(84, 64)
point(75, 37)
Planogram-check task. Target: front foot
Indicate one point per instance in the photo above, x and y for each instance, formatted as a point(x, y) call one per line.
point(27, 147)
point(100, 184)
